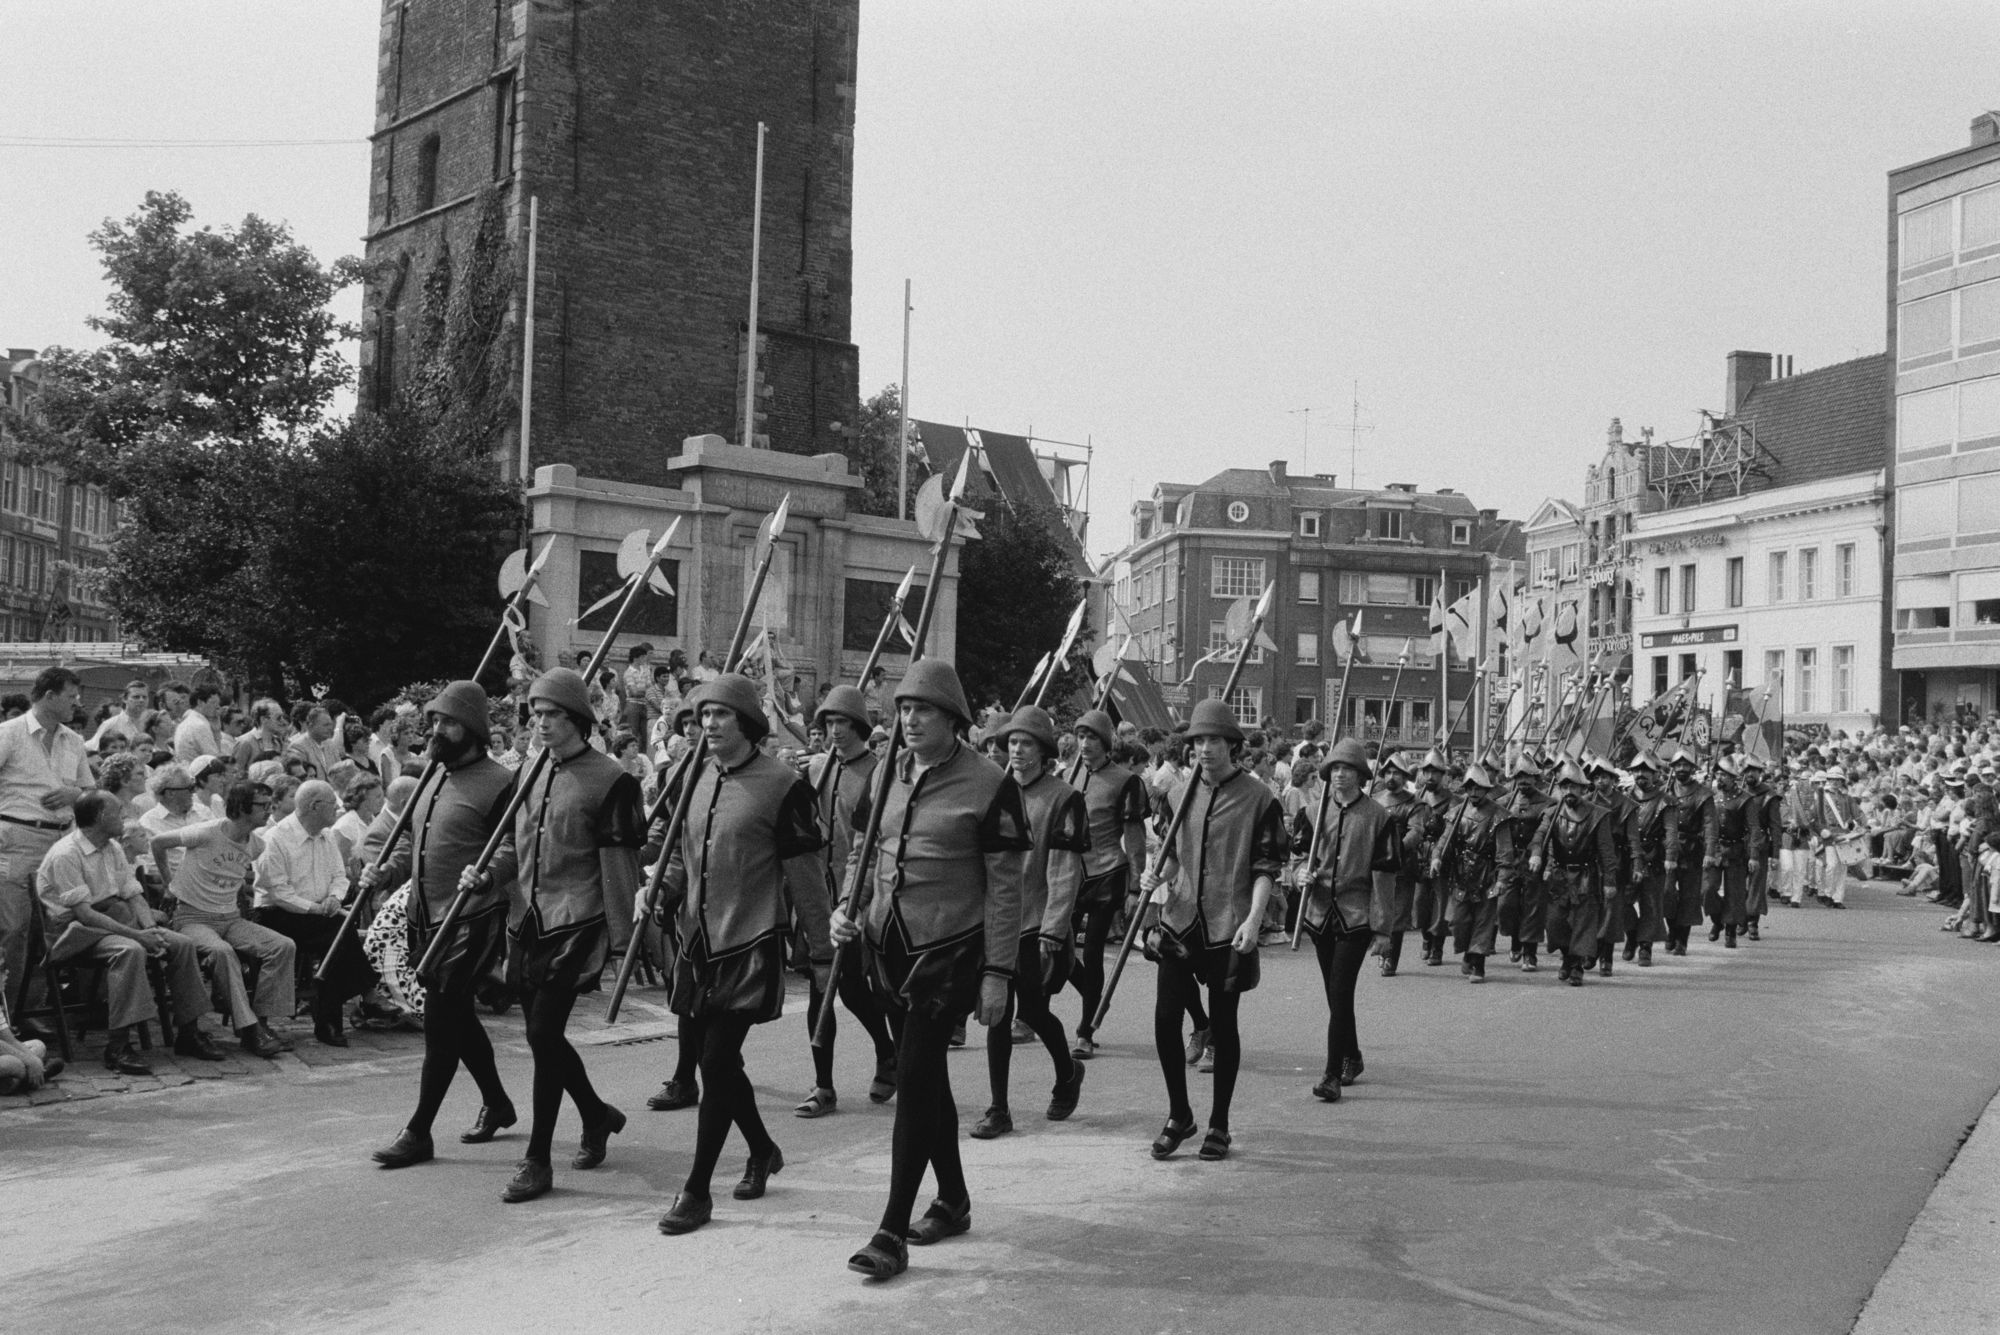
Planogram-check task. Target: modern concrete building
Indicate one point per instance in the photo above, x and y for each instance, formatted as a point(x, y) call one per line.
point(1944, 333)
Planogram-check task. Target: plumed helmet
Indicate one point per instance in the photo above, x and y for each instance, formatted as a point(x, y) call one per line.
point(848, 703)
point(1099, 723)
point(1477, 776)
point(933, 681)
point(1034, 721)
point(738, 694)
point(1212, 718)
point(1347, 751)
point(465, 701)
point(563, 688)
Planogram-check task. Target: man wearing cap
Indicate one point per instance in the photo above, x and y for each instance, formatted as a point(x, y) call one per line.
point(1768, 802)
point(1061, 830)
point(1798, 865)
point(1462, 864)
point(1114, 798)
point(842, 787)
point(941, 911)
point(1687, 855)
point(1650, 832)
point(1350, 879)
point(1573, 842)
point(1837, 819)
point(1431, 904)
point(455, 811)
point(1733, 844)
point(1519, 889)
point(1618, 897)
point(572, 858)
point(1391, 911)
point(1210, 895)
point(748, 855)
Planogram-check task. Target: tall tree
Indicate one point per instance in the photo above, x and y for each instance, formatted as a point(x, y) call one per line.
point(1016, 590)
point(874, 456)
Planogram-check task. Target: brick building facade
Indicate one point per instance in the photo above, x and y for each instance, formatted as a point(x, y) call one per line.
point(52, 532)
point(634, 128)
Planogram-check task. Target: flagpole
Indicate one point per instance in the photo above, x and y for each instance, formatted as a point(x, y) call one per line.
point(1444, 660)
point(1481, 724)
point(750, 347)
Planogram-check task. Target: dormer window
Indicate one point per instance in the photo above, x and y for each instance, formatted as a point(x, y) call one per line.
point(1387, 524)
point(1238, 512)
point(1309, 523)
point(1461, 532)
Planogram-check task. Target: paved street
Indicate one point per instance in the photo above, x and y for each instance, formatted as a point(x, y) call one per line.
point(1733, 1142)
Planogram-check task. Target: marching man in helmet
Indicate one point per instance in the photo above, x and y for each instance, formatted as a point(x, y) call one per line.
point(1462, 861)
point(1574, 844)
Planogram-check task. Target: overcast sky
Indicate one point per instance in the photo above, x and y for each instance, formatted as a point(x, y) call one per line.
point(1165, 227)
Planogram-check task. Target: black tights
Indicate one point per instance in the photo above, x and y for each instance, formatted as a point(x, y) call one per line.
point(727, 1099)
point(858, 994)
point(558, 1068)
point(1340, 960)
point(1032, 1004)
point(1179, 993)
point(926, 1134)
point(453, 1034)
point(1088, 975)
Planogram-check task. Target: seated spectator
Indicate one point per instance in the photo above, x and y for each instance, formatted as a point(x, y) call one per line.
point(172, 789)
point(396, 797)
point(284, 794)
point(13, 705)
point(265, 740)
point(96, 910)
point(221, 856)
point(25, 1064)
point(309, 746)
point(212, 776)
point(388, 749)
point(128, 724)
point(360, 804)
point(125, 779)
point(195, 734)
point(301, 894)
point(267, 772)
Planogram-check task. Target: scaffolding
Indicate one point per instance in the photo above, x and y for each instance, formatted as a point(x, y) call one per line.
point(1723, 460)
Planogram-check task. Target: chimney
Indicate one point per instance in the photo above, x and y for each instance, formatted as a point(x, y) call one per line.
point(1278, 472)
point(1747, 370)
point(1985, 128)
point(1616, 435)
point(1407, 488)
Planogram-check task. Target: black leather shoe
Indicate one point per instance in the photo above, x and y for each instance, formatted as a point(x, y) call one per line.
point(941, 1221)
point(687, 1214)
point(674, 1095)
point(591, 1148)
point(1752, 931)
point(756, 1172)
point(885, 1257)
point(258, 1043)
point(264, 1028)
point(406, 1149)
point(1646, 956)
point(491, 1121)
point(1064, 1100)
point(996, 1123)
point(1715, 933)
point(1328, 1089)
point(192, 1042)
point(125, 1061)
point(1351, 1069)
point(532, 1178)
point(330, 1035)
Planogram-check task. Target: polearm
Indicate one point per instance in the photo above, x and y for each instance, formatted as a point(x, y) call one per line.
point(878, 793)
point(1061, 654)
point(834, 763)
point(1028, 686)
point(1179, 817)
point(680, 789)
point(515, 602)
point(1504, 739)
point(527, 779)
point(1326, 788)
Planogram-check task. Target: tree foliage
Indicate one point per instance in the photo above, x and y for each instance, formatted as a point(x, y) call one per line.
point(355, 555)
point(874, 455)
point(1016, 590)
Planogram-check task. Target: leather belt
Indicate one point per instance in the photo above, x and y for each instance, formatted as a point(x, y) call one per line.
point(37, 824)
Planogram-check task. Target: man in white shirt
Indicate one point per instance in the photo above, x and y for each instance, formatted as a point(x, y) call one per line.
point(195, 735)
point(172, 788)
point(42, 773)
point(97, 911)
point(219, 859)
point(301, 894)
point(130, 722)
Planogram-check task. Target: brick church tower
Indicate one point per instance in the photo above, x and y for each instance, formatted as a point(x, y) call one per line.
point(632, 123)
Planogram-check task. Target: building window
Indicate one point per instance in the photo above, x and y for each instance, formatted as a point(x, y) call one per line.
point(1309, 523)
point(1218, 644)
point(1358, 587)
point(503, 126)
point(1687, 589)
point(1843, 678)
point(1238, 512)
point(1309, 648)
point(1774, 587)
point(1660, 683)
point(1806, 691)
point(427, 172)
point(1461, 532)
point(1305, 708)
point(1663, 590)
point(1978, 318)
point(1388, 524)
point(10, 488)
point(1808, 573)
point(1245, 702)
point(1572, 558)
point(1236, 576)
point(1926, 236)
point(1732, 572)
point(1979, 222)
point(1309, 586)
point(1688, 666)
point(1843, 570)
point(1732, 668)
point(1923, 331)
point(1774, 669)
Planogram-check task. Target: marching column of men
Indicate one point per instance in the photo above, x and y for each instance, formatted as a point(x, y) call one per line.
point(988, 888)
